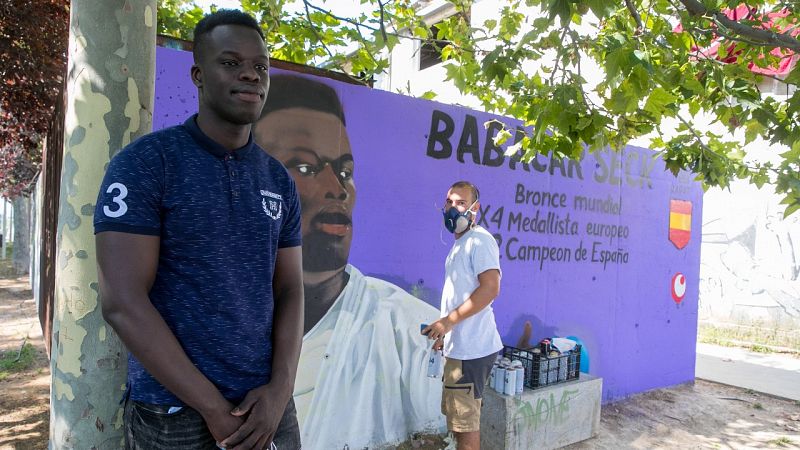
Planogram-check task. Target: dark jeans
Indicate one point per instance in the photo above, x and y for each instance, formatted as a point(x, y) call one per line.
point(151, 427)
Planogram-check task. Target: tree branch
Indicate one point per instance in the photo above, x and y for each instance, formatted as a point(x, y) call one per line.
point(314, 29)
point(383, 25)
point(358, 24)
point(700, 54)
point(558, 53)
point(636, 17)
point(781, 40)
point(706, 149)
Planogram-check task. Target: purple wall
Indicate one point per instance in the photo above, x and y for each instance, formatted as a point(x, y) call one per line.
point(636, 335)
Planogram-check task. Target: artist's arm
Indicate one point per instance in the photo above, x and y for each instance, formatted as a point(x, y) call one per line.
point(488, 289)
point(127, 266)
point(264, 406)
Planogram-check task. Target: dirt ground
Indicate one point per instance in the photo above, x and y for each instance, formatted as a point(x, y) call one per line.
point(702, 415)
point(25, 394)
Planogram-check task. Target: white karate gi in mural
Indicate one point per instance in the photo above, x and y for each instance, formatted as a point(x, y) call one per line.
point(362, 377)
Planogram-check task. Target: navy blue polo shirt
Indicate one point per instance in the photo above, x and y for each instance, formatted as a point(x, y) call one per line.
point(221, 216)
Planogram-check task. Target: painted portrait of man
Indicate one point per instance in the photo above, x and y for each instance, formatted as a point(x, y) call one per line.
point(362, 377)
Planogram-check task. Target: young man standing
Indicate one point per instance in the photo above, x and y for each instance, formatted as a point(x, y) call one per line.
point(200, 263)
point(467, 332)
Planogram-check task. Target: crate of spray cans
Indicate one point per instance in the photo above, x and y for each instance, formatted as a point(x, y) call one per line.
point(543, 365)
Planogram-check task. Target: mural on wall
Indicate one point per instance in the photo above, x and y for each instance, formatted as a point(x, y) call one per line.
point(678, 287)
point(680, 222)
point(582, 248)
point(750, 272)
point(363, 360)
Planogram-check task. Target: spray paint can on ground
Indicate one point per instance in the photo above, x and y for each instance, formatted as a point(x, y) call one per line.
point(510, 381)
point(563, 362)
point(544, 346)
point(555, 367)
point(519, 376)
point(497, 379)
point(544, 369)
point(493, 372)
point(500, 375)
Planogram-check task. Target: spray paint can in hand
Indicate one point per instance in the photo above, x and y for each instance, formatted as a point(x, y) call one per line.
point(435, 364)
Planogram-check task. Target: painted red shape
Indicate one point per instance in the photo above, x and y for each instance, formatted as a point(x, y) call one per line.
point(678, 287)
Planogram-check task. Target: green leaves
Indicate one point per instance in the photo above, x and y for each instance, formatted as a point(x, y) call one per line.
point(428, 95)
point(645, 74)
point(177, 18)
point(601, 8)
point(658, 103)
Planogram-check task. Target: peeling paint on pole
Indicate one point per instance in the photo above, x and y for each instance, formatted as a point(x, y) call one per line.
point(110, 102)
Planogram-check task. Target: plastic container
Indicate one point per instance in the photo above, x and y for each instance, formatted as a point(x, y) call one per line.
point(542, 370)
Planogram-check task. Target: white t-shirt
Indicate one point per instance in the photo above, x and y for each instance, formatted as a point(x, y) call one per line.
point(362, 379)
point(472, 254)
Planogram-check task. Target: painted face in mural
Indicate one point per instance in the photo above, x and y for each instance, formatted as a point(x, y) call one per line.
point(314, 147)
point(232, 75)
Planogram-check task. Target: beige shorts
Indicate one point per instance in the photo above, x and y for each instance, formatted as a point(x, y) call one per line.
point(462, 392)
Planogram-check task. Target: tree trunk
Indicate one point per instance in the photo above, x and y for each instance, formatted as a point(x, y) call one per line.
point(4, 229)
point(110, 102)
point(21, 256)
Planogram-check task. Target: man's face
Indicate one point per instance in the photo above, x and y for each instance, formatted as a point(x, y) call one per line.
point(314, 147)
point(461, 199)
point(232, 74)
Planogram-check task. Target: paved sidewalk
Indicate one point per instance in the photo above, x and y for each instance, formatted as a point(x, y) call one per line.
point(770, 373)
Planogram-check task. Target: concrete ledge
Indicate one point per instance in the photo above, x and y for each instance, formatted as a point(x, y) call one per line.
point(544, 418)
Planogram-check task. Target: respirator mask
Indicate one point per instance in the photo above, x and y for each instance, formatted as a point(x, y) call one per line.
point(456, 221)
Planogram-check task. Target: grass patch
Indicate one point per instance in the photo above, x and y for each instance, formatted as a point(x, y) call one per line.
point(13, 361)
point(757, 405)
point(759, 349)
point(6, 269)
point(757, 337)
point(715, 341)
point(782, 441)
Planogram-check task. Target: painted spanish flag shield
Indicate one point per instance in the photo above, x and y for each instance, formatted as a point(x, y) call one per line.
point(680, 222)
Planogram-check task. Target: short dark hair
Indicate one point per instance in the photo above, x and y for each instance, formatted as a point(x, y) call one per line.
point(292, 91)
point(476, 195)
point(221, 17)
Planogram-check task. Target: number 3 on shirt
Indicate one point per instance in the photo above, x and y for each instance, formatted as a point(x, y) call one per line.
point(123, 207)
